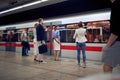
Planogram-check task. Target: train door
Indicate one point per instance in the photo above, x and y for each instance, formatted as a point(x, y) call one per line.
point(11, 37)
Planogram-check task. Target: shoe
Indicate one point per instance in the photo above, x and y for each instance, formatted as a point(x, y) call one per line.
point(26, 55)
point(40, 61)
point(84, 65)
point(23, 55)
point(79, 64)
point(43, 62)
point(35, 60)
point(57, 59)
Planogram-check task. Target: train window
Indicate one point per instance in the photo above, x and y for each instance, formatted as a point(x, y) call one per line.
point(93, 34)
point(106, 33)
point(30, 34)
point(48, 33)
point(98, 31)
point(67, 32)
point(8, 35)
point(19, 34)
point(1, 35)
point(63, 35)
point(47, 36)
point(4, 35)
point(15, 36)
point(69, 35)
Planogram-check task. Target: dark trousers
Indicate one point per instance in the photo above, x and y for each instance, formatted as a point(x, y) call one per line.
point(24, 51)
point(24, 48)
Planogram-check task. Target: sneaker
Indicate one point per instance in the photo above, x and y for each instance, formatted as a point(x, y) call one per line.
point(40, 60)
point(36, 60)
point(26, 55)
point(79, 64)
point(57, 59)
point(43, 62)
point(84, 65)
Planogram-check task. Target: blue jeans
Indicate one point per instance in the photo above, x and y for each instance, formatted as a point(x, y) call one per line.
point(79, 47)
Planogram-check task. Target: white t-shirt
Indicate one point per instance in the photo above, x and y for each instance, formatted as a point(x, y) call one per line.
point(24, 36)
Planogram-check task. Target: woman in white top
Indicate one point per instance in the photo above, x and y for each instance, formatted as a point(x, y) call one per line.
point(35, 43)
point(80, 40)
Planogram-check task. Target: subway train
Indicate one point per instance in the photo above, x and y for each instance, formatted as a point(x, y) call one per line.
point(96, 23)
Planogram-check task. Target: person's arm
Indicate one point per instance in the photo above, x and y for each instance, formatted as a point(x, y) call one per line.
point(45, 28)
point(59, 36)
point(28, 38)
point(22, 35)
point(74, 36)
point(112, 39)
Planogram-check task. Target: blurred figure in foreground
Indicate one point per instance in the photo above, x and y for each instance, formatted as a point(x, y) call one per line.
point(101, 76)
point(111, 52)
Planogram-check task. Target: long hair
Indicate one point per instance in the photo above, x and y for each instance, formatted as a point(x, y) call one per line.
point(35, 25)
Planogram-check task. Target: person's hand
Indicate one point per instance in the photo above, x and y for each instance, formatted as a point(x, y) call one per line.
point(42, 42)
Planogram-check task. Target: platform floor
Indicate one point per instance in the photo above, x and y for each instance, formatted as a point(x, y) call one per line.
point(15, 67)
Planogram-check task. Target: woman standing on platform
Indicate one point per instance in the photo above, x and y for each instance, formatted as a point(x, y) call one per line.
point(56, 42)
point(36, 53)
point(80, 40)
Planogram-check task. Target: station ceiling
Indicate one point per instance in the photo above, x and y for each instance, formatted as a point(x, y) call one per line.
point(7, 4)
point(48, 9)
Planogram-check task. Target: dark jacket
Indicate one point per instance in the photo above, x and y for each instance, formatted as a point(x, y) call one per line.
point(114, 19)
point(40, 33)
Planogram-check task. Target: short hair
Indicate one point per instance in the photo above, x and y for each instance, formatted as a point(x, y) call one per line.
point(80, 24)
point(40, 19)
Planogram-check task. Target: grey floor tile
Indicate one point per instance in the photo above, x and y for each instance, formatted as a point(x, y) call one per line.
point(15, 67)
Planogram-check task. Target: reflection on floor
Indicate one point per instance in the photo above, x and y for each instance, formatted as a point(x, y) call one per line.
point(15, 67)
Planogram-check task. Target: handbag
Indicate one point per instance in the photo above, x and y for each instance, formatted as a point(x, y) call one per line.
point(42, 49)
point(24, 43)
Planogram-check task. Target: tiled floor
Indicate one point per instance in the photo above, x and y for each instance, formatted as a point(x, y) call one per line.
point(15, 67)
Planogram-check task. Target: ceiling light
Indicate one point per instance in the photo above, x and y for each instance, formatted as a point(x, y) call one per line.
point(23, 6)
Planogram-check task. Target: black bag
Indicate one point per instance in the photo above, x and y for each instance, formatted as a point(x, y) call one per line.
point(42, 49)
point(24, 43)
